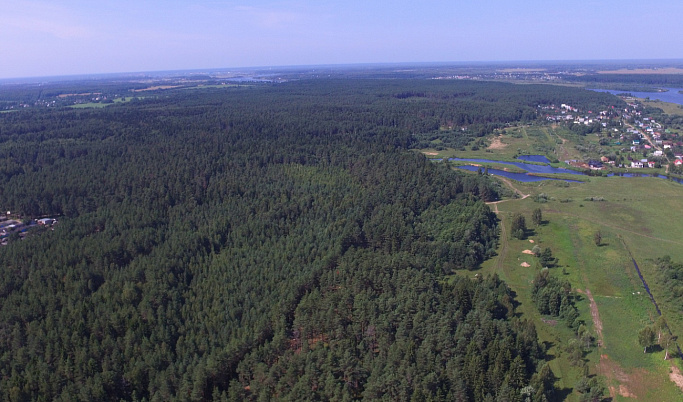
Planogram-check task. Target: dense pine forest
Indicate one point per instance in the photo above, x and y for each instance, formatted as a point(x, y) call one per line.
point(264, 242)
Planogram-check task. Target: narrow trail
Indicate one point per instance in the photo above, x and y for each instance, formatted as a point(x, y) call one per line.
point(597, 323)
point(503, 230)
point(515, 189)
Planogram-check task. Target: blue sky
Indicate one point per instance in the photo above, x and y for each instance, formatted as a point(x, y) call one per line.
point(41, 38)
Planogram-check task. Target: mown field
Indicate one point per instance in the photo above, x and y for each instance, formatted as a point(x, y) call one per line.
point(637, 215)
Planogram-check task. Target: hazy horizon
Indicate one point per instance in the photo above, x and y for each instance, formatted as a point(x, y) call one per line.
point(74, 37)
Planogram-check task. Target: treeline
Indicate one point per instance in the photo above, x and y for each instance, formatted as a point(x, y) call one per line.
point(670, 277)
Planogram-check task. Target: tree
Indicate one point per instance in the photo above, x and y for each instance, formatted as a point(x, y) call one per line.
point(661, 326)
point(537, 217)
point(646, 338)
point(597, 238)
point(546, 259)
point(665, 341)
point(518, 226)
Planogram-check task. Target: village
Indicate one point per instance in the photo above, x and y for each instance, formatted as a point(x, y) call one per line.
point(629, 139)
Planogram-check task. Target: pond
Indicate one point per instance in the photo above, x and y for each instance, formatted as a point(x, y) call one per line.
point(523, 177)
point(527, 177)
point(547, 169)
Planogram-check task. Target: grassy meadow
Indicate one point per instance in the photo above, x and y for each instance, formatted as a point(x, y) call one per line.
point(635, 216)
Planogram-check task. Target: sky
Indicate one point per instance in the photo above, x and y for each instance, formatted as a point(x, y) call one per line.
point(67, 37)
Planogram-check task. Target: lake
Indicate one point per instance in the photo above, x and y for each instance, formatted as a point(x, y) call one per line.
point(671, 96)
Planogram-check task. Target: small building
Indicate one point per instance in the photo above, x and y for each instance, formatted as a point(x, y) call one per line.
point(46, 221)
point(651, 164)
point(594, 165)
point(637, 164)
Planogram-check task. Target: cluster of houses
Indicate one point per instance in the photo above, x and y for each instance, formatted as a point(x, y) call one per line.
point(9, 226)
point(645, 136)
point(564, 113)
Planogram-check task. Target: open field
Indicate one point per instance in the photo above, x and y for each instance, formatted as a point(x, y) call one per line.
point(637, 215)
point(668, 108)
point(670, 70)
point(101, 105)
point(156, 87)
point(90, 105)
point(81, 94)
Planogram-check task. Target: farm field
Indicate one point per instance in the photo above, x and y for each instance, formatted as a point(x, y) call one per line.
point(635, 216)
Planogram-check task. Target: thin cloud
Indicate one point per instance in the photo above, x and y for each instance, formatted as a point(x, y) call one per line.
point(43, 18)
point(44, 26)
point(271, 18)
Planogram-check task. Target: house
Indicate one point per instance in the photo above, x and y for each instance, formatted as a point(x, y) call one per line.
point(651, 164)
point(637, 164)
point(678, 162)
point(594, 165)
point(46, 221)
point(658, 153)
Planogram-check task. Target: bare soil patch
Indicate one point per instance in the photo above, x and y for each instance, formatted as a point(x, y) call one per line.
point(596, 316)
point(527, 252)
point(431, 153)
point(676, 376)
point(497, 144)
point(531, 241)
point(525, 264)
point(613, 371)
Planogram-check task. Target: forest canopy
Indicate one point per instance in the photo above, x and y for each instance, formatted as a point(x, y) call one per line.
point(273, 241)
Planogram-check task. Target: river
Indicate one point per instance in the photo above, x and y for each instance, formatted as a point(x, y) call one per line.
point(672, 95)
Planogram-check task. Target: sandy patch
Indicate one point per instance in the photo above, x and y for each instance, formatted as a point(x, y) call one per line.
point(497, 144)
point(676, 376)
point(431, 153)
point(531, 241)
point(527, 252)
point(525, 264)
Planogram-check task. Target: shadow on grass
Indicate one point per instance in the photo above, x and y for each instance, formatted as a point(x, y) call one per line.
point(561, 394)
